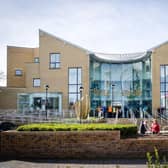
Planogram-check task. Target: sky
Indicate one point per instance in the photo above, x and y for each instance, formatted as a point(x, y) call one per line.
point(110, 26)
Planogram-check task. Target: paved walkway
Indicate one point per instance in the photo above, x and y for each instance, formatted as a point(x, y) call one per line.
point(73, 164)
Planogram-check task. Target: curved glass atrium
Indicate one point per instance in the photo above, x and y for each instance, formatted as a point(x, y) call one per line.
point(122, 81)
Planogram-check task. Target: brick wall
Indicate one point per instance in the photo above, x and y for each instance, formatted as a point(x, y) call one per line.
point(78, 145)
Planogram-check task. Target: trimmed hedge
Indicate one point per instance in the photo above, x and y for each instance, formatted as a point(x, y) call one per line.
point(126, 130)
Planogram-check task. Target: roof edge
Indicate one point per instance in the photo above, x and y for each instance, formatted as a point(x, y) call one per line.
point(157, 46)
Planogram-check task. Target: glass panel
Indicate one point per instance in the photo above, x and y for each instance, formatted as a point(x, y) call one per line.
point(18, 72)
point(73, 88)
point(36, 82)
point(57, 57)
point(72, 76)
point(57, 65)
point(52, 58)
point(37, 103)
point(23, 102)
point(52, 65)
point(116, 72)
point(96, 71)
point(53, 103)
point(166, 73)
point(166, 85)
point(72, 98)
point(162, 73)
point(36, 60)
point(79, 75)
point(127, 72)
point(162, 87)
point(166, 100)
point(162, 99)
point(105, 72)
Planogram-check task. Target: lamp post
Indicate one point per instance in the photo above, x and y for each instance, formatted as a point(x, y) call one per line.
point(112, 94)
point(81, 90)
point(46, 104)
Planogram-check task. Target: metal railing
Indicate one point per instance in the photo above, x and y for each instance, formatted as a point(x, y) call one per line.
point(14, 116)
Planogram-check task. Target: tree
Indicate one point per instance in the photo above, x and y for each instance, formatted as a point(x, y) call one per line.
point(2, 77)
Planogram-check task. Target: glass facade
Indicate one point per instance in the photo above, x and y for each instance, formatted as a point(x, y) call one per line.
point(36, 102)
point(131, 90)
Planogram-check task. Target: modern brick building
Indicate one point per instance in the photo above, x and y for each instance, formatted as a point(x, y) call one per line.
point(132, 83)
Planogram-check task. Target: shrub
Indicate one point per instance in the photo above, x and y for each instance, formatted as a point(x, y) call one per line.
point(125, 130)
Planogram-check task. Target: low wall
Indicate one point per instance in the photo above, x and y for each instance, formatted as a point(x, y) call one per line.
point(77, 145)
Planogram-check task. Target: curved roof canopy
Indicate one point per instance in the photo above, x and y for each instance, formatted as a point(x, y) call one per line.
point(121, 58)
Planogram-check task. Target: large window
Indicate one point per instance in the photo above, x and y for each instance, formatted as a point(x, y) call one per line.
point(164, 86)
point(36, 101)
point(75, 76)
point(54, 60)
point(132, 90)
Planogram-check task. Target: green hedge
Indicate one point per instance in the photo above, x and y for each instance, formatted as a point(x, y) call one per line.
point(125, 130)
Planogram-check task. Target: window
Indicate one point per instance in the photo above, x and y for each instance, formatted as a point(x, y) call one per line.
point(54, 60)
point(164, 86)
point(36, 82)
point(75, 81)
point(18, 72)
point(36, 60)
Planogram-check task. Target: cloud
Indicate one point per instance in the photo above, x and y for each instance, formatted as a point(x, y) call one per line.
point(105, 26)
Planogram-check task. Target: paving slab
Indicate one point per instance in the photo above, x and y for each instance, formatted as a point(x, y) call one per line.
point(73, 164)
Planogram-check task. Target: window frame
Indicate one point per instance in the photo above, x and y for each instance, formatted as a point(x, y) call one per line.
point(34, 82)
point(36, 58)
point(18, 70)
point(56, 62)
point(163, 83)
point(77, 84)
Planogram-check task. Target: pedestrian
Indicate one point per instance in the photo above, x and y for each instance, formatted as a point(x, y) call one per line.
point(155, 128)
point(100, 112)
point(143, 127)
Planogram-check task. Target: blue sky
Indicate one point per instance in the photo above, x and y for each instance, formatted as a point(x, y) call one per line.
point(112, 26)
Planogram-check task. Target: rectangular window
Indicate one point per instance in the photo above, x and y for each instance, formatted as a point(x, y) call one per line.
point(36, 82)
point(164, 86)
point(74, 83)
point(18, 72)
point(36, 60)
point(54, 60)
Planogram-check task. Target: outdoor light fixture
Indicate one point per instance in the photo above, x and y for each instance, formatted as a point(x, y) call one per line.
point(112, 93)
point(46, 104)
point(81, 90)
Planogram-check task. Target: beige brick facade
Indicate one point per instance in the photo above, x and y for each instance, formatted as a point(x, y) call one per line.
point(159, 57)
point(21, 58)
